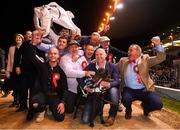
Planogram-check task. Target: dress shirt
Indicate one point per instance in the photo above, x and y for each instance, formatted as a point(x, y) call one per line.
point(131, 79)
point(72, 71)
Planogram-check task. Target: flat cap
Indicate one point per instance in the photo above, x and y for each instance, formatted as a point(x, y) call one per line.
point(104, 38)
point(73, 42)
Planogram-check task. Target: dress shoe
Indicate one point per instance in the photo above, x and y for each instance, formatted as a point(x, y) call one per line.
point(110, 121)
point(30, 116)
point(5, 95)
point(17, 105)
point(21, 109)
point(12, 105)
point(146, 114)
point(128, 115)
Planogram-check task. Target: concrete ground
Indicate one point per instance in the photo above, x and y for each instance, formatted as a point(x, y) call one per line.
point(9, 119)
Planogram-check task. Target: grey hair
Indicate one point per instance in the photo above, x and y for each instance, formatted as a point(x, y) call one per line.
point(137, 47)
point(96, 34)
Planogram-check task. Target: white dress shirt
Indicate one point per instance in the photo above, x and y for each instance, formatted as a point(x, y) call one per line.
point(72, 71)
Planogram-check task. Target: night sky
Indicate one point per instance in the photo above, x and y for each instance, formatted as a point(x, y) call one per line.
point(137, 22)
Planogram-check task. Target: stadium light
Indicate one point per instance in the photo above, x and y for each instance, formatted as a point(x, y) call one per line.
point(112, 18)
point(119, 6)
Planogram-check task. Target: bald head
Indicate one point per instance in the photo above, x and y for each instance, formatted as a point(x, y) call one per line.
point(100, 55)
point(53, 54)
point(100, 50)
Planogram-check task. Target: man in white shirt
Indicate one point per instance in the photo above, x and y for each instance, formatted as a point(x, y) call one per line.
point(72, 70)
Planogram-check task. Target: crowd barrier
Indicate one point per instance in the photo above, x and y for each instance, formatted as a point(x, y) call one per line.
point(168, 92)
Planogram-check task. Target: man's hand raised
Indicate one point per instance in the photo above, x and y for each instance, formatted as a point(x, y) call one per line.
point(156, 40)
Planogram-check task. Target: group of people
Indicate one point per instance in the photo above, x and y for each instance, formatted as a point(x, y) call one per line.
point(44, 75)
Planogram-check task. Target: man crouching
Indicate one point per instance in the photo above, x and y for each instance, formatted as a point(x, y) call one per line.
point(54, 91)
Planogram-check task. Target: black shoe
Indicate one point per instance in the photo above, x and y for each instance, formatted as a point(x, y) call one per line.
point(110, 121)
point(128, 115)
point(21, 109)
point(17, 105)
point(5, 95)
point(146, 114)
point(29, 116)
point(12, 105)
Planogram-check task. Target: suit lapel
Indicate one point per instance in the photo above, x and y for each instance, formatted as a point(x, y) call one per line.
point(126, 62)
point(140, 65)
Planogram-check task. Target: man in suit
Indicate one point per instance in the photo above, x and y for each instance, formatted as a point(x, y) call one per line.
point(138, 84)
point(30, 67)
point(113, 55)
point(112, 94)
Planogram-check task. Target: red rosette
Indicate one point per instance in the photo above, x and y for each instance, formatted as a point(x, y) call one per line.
point(110, 57)
point(55, 77)
point(135, 68)
point(84, 64)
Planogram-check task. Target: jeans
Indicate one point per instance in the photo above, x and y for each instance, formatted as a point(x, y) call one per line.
point(112, 96)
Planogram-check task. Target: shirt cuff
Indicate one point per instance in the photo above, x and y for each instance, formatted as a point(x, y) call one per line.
point(159, 48)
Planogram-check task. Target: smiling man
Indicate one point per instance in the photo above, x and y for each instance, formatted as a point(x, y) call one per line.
point(53, 93)
point(137, 82)
point(112, 93)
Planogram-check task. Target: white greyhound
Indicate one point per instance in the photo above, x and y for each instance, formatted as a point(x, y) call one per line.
point(52, 12)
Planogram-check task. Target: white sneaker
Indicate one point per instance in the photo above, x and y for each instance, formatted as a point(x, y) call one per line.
point(49, 113)
point(40, 117)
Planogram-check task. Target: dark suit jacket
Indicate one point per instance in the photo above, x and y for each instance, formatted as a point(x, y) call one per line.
point(112, 70)
point(29, 61)
point(116, 53)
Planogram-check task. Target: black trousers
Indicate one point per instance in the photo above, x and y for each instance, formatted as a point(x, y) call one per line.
point(28, 81)
point(51, 100)
point(70, 101)
point(15, 83)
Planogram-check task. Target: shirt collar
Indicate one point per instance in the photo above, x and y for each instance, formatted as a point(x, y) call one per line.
point(97, 66)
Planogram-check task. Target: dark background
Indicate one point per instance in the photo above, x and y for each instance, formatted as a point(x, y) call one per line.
point(137, 22)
